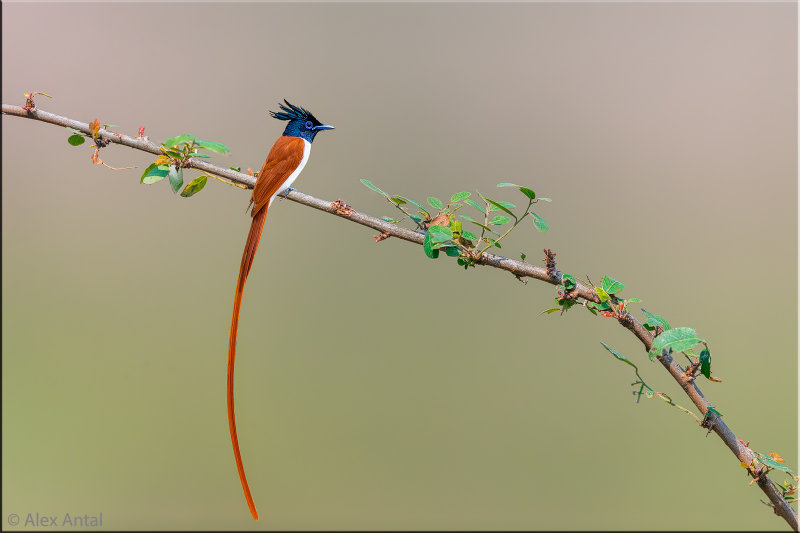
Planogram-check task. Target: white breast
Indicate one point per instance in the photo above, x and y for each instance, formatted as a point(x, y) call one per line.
point(297, 171)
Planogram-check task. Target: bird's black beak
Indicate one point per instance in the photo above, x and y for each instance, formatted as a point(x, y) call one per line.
point(323, 127)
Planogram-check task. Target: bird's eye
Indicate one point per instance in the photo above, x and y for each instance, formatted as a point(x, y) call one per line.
point(309, 125)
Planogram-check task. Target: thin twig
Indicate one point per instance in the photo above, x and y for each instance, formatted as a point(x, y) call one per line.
point(520, 269)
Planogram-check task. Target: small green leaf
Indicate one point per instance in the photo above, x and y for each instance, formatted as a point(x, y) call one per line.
point(399, 200)
point(618, 355)
point(427, 245)
point(528, 192)
point(612, 286)
point(457, 197)
point(180, 139)
point(416, 219)
point(492, 242)
point(539, 222)
point(522, 256)
point(545, 199)
point(679, 339)
point(435, 203)
point(499, 220)
point(654, 320)
point(236, 169)
point(502, 207)
point(551, 310)
point(604, 297)
point(774, 464)
point(154, 173)
point(476, 205)
point(467, 218)
point(175, 177)
point(389, 219)
point(633, 300)
point(705, 362)
point(412, 202)
point(213, 146)
point(76, 140)
point(196, 154)
point(452, 251)
point(469, 236)
point(569, 282)
point(505, 184)
point(373, 187)
point(440, 233)
point(487, 228)
point(195, 186)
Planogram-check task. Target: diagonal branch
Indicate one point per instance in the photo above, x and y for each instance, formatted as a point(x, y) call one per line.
point(517, 268)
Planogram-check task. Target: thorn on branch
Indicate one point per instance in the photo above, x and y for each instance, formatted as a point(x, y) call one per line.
point(342, 208)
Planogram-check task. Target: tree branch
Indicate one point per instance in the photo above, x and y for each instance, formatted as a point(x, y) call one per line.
point(519, 269)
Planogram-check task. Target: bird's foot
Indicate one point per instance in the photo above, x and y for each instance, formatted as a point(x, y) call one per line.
point(286, 192)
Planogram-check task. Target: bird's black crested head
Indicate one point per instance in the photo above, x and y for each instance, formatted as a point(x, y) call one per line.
point(301, 122)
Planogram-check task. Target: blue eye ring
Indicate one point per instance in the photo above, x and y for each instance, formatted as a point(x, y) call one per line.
point(309, 125)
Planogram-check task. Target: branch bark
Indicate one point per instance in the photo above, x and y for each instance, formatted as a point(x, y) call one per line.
point(519, 269)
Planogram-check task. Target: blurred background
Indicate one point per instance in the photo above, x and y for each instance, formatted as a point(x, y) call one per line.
point(377, 388)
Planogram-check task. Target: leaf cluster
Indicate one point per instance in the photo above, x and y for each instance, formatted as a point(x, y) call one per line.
point(443, 226)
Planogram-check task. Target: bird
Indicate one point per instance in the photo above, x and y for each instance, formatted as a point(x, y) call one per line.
point(285, 161)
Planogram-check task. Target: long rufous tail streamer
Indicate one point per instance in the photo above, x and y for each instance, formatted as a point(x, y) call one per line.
point(247, 261)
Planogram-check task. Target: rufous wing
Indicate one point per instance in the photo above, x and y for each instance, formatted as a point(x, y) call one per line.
point(285, 156)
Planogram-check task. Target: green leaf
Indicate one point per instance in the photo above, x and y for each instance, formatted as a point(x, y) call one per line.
point(633, 300)
point(654, 320)
point(569, 282)
point(618, 355)
point(551, 310)
point(499, 220)
point(487, 228)
point(604, 297)
point(435, 203)
point(440, 233)
point(455, 225)
point(457, 197)
point(467, 218)
point(180, 139)
point(76, 140)
point(399, 200)
point(528, 192)
point(469, 236)
point(612, 286)
point(236, 169)
point(493, 242)
point(154, 173)
point(427, 245)
point(452, 251)
point(679, 339)
point(539, 222)
point(502, 207)
point(522, 256)
point(195, 186)
point(175, 177)
point(412, 202)
point(416, 219)
point(476, 205)
point(373, 187)
point(545, 199)
point(774, 464)
point(388, 219)
point(505, 184)
point(213, 146)
point(196, 154)
point(705, 362)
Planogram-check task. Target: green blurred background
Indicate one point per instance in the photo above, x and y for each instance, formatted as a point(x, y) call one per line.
point(377, 388)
